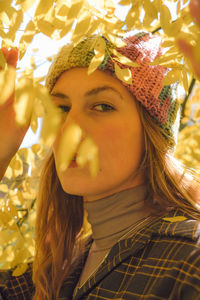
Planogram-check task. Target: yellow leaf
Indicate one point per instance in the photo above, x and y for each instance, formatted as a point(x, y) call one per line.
point(165, 17)
point(125, 2)
point(88, 153)
point(4, 18)
point(45, 27)
point(172, 64)
point(5, 4)
point(25, 4)
point(7, 237)
point(197, 114)
point(178, 7)
point(123, 59)
point(20, 270)
point(24, 101)
point(162, 60)
point(9, 173)
point(17, 165)
point(52, 118)
point(123, 74)
point(16, 197)
point(174, 28)
point(168, 43)
point(74, 9)
point(133, 15)
point(82, 26)
point(175, 219)
point(100, 45)
point(27, 38)
point(150, 9)
point(42, 8)
point(34, 122)
point(7, 83)
point(8, 255)
point(38, 108)
point(69, 142)
point(2, 34)
point(66, 28)
point(63, 10)
point(3, 188)
point(58, 23)
point(95, 62)
point(117, 41)
point(17, 19)
point(94, 24)
point(39, 150)
point(172, 76)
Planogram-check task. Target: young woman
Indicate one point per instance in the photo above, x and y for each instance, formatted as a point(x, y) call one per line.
point(142, 207)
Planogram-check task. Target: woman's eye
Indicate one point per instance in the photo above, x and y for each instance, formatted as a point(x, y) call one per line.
point(103, 107)
point(64, 108)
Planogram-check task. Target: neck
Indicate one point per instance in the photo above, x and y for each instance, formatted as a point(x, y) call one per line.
point(113, 216)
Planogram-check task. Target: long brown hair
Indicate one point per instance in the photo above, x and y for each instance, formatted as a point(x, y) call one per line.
point(59, 222)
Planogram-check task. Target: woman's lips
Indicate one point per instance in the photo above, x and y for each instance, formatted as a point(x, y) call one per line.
point(73, 164)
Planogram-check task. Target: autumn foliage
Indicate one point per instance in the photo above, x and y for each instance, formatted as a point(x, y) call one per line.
point(56, 19)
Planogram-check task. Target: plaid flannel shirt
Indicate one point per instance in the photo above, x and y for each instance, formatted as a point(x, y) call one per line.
point(160, 261)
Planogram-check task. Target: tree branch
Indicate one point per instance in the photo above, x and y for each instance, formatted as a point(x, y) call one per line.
point(183, 105)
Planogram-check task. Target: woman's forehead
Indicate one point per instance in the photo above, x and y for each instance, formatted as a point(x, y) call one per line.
point(78, 80)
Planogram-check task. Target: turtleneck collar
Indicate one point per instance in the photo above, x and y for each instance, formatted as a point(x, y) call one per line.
point(112, 217)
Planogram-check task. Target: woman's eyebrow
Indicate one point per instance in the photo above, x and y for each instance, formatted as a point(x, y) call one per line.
point(59, 95)
point(98, 90)
point(92, 92)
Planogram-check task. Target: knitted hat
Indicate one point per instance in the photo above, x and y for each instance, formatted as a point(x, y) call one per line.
point(160, 101)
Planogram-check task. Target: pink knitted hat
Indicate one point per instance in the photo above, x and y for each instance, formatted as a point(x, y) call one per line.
point(147, 81)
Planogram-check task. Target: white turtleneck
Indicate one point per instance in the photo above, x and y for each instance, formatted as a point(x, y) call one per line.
point(112, 218)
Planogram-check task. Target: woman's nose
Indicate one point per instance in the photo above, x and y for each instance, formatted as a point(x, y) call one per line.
point(74, 116)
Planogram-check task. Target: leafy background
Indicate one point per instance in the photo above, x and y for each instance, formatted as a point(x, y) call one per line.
point(30, 25)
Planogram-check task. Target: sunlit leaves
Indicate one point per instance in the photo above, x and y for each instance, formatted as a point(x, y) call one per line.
point(82, 26)
point(17, 213)
point(43, 8)
point(123, 74)
point(88, 153)
point(123, 59)
point(52, 117)
point(175, 219)
point(24, 101)
point(17, 165)
point(99, 50)
point(56, 19)
point(20, 270)
point(133, 15)
point(150, 12)
point(25, 4)
point(172, 76)
point(69, 142)
point(74, 144)
point(165, 17)
point(27, 38)
point(188, 148)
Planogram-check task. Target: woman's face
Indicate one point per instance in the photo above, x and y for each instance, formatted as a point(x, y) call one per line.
point(105, 110)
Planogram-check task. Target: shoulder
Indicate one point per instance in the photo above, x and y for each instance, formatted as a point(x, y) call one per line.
point(177, 224)
point(16, 287)
point(174, 245)
point(170, 254)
